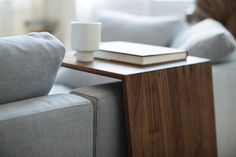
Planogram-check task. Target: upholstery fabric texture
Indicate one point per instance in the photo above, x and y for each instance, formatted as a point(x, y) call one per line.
point(207, 39)
point(49, 126)
point(28, 65)
point(109, 126)
point(139, 29)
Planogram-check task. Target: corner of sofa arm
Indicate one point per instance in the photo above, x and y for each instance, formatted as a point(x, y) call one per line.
point(101, 91)
point(55, 125)
point(109, 124)
point(40, 105)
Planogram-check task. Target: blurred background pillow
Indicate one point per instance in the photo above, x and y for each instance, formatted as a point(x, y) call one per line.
point(207, 39)
point(223, 11)
point(140, 29)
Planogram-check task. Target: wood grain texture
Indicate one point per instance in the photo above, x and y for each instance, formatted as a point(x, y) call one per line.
point(169, 107)
point(170, 112)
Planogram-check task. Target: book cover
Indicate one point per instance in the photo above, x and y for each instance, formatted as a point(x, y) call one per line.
point(140, 54)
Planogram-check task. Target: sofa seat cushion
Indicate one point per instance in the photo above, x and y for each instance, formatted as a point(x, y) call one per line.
point(28, 65)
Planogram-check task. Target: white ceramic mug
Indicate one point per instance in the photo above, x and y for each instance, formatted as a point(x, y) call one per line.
point(85, 39)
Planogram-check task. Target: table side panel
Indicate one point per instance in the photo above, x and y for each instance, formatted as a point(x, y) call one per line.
point(170, 113)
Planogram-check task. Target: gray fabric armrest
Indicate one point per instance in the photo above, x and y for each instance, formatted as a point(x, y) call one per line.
point(57, 125)
point(109, 131)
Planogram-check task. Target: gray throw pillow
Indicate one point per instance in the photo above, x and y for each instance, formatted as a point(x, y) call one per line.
point(139, 29)
point(28, 65)
point(207, 39)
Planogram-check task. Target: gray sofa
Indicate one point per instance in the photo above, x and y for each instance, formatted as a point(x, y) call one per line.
point(88, 122)
point(84, 122)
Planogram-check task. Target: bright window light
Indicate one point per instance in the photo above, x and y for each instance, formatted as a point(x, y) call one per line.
point(175, 0)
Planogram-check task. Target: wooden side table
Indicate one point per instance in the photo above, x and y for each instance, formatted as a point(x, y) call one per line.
point(169, 108)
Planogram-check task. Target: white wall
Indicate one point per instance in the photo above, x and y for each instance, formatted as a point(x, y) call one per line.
point(63, 11)
point(6, 26)
point(12, 15)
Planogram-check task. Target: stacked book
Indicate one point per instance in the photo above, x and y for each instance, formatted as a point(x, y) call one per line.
point(140, 54)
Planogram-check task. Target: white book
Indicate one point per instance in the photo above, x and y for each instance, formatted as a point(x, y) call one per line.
point(140, 54)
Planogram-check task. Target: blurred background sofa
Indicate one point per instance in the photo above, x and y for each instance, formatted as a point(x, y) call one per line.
point(223, 11)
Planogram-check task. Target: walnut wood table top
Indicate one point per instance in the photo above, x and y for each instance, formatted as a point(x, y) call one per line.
point(120, 70)
point(169, 108)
